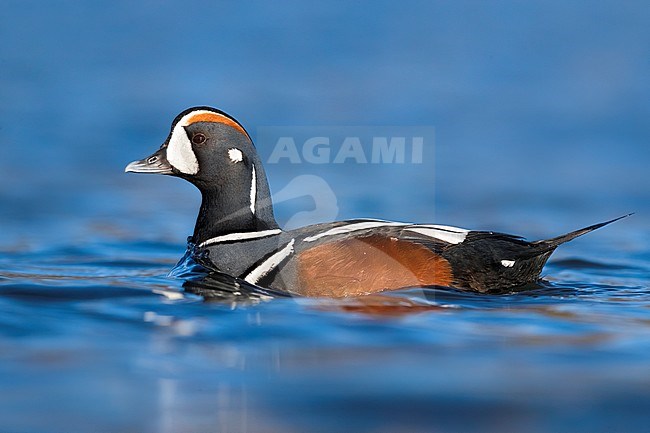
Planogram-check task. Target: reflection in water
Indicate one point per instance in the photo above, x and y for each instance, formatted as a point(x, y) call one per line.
point(379, 305)
point(245, 359)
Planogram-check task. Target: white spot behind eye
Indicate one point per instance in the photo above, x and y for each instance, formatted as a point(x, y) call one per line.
point(235, 155)
point(508, 263)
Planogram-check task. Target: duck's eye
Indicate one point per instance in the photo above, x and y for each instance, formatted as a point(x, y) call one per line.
point(198, 138)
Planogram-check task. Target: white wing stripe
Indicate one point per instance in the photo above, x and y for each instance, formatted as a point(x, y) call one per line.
point(352, 228)
point(445, 228)
point(453, 237)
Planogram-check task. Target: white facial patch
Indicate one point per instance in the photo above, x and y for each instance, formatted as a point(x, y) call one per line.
point(507, 263)
point(235, 155)
point(179, 151)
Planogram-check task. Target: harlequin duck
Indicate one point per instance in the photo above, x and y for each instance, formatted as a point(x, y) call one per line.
point(236, 233)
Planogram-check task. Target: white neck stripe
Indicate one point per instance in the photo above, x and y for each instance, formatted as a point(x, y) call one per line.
point(240, 237)
point(269, 264)
point(253, 191)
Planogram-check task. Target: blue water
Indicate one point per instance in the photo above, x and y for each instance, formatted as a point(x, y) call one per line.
point(540, 115)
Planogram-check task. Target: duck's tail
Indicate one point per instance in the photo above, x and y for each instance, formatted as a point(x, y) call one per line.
point(549, 245)
point(488, 261)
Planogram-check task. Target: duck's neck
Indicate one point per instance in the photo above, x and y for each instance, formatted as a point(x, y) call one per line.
point(223, 212)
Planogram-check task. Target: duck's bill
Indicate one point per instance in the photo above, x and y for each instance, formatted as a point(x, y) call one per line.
point(156, 163)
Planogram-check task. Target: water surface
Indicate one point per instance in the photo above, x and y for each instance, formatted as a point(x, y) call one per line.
point(540, 116)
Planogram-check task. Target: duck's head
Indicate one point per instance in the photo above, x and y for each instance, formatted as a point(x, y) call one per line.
point(213, 151)
point(205, 146)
